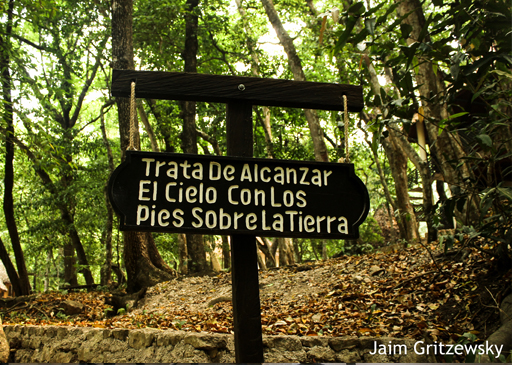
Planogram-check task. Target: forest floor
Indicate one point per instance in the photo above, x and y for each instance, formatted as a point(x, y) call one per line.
point(401, 294)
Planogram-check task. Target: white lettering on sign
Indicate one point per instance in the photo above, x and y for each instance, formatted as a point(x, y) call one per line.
point(186, 191)
point(213, 219)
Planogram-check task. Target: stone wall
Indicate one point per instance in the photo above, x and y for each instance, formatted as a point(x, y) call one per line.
point(55, 344)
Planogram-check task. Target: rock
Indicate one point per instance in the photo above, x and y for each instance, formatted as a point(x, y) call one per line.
point(503, 336)
point(70, 307)
point(342, 343)
point(4, 345)
point(288, 343)
point(311, 341)
point(205, 342)
point(137, 339)
point(506, 310)
point(321, 354)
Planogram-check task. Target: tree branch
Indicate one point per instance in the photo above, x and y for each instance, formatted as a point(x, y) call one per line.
point(32, 44)
point(147, 126)
point(210, 139)
point(88, 83)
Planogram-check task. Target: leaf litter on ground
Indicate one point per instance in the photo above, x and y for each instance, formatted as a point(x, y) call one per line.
point(399, 294)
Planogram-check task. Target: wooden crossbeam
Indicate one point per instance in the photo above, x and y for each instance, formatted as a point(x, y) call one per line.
point(226, 89)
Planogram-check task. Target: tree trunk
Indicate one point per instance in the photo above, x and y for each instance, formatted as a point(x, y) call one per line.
point(162, 124)
point(406, 217)
point(147, 126)
point(197, 255)
point(183, 254)
point(69, 264)
point(389, 200)
point(8, 205)
point(324, 250)
point(106, 270)
point(448, 144)
point(265, 246)
point(265, 119)
point(140, 267)
point(226, 253)
point(261, 261)
point(144, 266)
point(47, 271)
point(317, 134)
point(285, 251)
point(77, 245)
point(9, 267)
point(426, 182)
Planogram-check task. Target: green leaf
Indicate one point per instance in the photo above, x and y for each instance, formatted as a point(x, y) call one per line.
point(424, 30)
point(454, 70)
point(484, 140)
point(502, 73)
point(451, 117)
point(342, 40)
point(505, 192)
point(483, 89)
point(484, 61)
point(484, 207)
point(406, 29)
point(357, 9)
point(374, 9)
point(361, 36)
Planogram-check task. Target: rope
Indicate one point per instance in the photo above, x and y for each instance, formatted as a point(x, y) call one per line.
point(133, 119)
point(347, 154)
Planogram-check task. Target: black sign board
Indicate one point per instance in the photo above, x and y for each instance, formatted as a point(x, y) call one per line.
point(170, 192)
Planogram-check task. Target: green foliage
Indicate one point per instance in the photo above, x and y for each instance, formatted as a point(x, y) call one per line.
point(370, 232)
point(60, 57)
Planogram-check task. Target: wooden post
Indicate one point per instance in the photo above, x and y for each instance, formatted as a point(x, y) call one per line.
point(244, 261)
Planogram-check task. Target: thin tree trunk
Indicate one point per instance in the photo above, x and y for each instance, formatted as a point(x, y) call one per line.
point(9, 267)
point(183, 254)
point(265, 119)
point(324, 250)
point(426, 183)
point(106, 270)
point(226, 253)
point(317, 134)
point(47, 271)
point(263, 246)
point(69, 264)
point(406, 217)
point(285, 252)
point(195, 247)
point(77, 245)
point(162, 125)
point(149, 130)
point(382, 176)
point(265, 123)
point(261, 261)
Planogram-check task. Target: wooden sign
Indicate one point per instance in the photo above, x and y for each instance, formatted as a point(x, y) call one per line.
point(319, 199)
point(170, 192)
point(226, 89)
